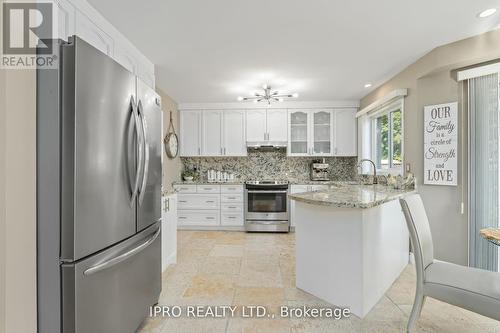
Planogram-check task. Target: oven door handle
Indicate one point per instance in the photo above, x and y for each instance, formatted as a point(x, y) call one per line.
point(268, 191)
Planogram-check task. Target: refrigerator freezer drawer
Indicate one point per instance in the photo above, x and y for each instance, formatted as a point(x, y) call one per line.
point(113, 290)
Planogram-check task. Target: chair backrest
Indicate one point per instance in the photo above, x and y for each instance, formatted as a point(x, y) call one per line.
point(420, 232)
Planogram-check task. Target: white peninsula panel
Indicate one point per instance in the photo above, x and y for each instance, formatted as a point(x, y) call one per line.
point(352, 243)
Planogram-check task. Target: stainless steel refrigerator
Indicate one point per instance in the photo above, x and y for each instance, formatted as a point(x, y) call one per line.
point(98, 194)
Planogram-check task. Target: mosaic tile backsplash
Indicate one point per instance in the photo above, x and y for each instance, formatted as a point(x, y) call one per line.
point(271, 165)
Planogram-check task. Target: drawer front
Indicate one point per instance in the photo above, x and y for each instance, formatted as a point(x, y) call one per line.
point(198, 201)
point(235, 219)
point(199, 217)
point(231, 207)
point(231, 189)
point(185, 188)
point(231, 198)
point(208, 188)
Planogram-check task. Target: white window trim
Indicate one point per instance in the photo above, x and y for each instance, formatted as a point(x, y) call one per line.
point(386, 110)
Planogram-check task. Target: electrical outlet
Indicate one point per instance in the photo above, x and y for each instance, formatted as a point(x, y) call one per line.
point(408, 168)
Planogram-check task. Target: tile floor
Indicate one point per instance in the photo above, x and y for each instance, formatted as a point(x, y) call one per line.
point(236, 268)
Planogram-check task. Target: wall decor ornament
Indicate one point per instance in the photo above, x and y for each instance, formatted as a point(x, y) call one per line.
point(441, 144)
point(171, 140)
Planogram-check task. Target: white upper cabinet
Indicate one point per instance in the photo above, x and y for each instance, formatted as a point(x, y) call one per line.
point(256, 125)
point(298, 140)
point(308, 132)
point(78, 17)
point(211, 129)
point(321, 132)
point(190, 133)
point(345, 132)
point(212, 133)
point(277, 129)
point(267, 125)
point(233, 135)
point(311, 132)
point(92, 34)
point(65, 19)
point(124, 57)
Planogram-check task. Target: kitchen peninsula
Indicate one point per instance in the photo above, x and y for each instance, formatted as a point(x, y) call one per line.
point(351, 243)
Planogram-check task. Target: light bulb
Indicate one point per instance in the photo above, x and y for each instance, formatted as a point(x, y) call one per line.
point(240, 98)
point(280, 99)
point(255, 101)
point(264, 86)
point(295, 95)
point(368, 85)
point(487, 12)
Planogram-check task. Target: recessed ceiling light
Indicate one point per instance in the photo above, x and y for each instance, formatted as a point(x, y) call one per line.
point(368, 85)
point(487, 12)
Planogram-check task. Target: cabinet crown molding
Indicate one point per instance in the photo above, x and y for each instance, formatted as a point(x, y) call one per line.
point(283, 105)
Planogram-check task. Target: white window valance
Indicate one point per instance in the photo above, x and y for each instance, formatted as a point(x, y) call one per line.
point(474, 72)
point(393, 97)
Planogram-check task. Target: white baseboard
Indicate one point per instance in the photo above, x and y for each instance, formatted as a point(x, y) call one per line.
point(213, 228)
point(171, 259)
point(411, 259)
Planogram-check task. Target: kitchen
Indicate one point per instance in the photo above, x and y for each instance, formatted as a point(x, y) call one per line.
point(176, 178)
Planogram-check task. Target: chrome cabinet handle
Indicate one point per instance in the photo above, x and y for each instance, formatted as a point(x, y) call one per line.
point(224, 150)
point(271, 192)
point(209, 201)
point(146, 152)
point(135, 114)
point(231, 207)
point(231, 198)
point(115, 260)
point(199, 151)
point(183, 201)
point(231, 217)
point(209, 218)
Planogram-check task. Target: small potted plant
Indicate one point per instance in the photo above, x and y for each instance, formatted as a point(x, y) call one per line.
point(188, 175)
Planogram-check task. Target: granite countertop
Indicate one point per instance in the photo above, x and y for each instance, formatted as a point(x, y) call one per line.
point(204, 182)
point(350, 195)
point(239, 182)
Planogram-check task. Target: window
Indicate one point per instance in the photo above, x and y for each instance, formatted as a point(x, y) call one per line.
point(387, 139)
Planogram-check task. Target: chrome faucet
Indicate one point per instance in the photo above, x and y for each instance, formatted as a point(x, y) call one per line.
point(374, 168)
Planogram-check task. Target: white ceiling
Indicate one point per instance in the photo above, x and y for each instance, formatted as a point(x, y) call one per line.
point(214, 51)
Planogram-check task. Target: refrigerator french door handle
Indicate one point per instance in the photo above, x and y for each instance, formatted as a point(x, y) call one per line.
point(135, 187)
point(146, 152)
point(115, 260)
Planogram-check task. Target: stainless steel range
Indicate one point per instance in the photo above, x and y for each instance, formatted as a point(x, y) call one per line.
point(266, 206)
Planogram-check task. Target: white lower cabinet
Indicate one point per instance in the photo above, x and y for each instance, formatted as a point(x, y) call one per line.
point(198, 201)
point(198, 217)
point(210, 206)
point(168, 231)
point(231, 219)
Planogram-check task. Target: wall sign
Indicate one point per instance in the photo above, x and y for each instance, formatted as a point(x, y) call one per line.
point(440, 144)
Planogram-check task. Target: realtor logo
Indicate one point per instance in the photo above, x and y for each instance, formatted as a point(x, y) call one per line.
point(24, 25)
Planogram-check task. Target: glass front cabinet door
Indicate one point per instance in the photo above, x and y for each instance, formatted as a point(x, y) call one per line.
point(322, 133)
point(310, 133)
point(299, 133)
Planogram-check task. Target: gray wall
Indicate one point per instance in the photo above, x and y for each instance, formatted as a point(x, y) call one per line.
point(171, 167)
point(19, 234)
point(430, 80)
point(2, 200)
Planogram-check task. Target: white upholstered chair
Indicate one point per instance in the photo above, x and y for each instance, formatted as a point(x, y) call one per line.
point(473, 289)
